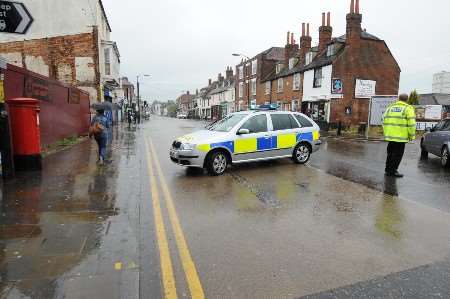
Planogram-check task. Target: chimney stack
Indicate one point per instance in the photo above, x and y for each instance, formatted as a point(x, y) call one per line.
point(229, 73)
point(325, 33)
point(209, 82)
point(291, 49)
point(354, 20)
point(305, 43)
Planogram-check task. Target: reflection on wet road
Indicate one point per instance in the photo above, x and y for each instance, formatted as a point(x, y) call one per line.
point(144, 227)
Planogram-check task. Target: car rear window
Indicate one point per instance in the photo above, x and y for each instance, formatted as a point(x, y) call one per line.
point(304, 122)
point(283, 122)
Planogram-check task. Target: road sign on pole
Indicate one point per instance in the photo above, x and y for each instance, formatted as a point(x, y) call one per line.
point(14, 18)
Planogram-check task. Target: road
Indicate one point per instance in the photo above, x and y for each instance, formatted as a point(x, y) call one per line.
point(142, 227)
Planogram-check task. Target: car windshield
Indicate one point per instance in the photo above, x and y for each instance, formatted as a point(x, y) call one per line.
point(227, 123)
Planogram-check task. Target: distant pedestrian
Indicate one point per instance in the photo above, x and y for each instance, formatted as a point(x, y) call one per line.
point(399, 126)
point(98, 130)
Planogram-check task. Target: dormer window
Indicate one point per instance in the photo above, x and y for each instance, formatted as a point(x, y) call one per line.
point(331, 50)
point(292, 62)
point(309, 57)
point(278, 68)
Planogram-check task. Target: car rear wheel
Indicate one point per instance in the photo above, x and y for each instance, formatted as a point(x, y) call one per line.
point(445, 157)
point(302, 153)
point(423, 151)
point(216, 163)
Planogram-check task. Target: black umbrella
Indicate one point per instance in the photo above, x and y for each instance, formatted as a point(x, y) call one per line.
point(102, 106)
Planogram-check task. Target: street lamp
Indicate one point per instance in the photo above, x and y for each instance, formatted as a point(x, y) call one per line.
point(139, 95)
point(246, 81)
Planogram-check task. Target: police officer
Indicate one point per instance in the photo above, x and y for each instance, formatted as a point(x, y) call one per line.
point(399, 126)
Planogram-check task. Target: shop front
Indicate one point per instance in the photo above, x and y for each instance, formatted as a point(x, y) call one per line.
point(319, 111)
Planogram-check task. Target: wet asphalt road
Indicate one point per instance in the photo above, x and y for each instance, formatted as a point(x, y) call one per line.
point(141, 226)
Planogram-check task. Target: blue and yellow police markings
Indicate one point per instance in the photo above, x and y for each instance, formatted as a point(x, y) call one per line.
point(251, 145)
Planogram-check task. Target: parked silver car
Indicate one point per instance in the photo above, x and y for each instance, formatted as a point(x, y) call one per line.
point(248, 136)
point(437, 142)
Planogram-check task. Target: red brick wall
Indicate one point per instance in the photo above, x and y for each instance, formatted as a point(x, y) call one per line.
point(57, 51)
point(288, 94)
point(59, 117)
point(370, 60)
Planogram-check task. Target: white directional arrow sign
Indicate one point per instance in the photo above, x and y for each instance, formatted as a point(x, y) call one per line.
point(14, 17)
point(26, 19)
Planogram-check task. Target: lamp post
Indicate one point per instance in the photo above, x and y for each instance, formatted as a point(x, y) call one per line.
point(139, 96)
point(246, 81)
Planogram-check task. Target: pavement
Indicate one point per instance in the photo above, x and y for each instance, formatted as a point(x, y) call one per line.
point(143, 227)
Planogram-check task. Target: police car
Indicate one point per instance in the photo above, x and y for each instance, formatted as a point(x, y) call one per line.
point(246, 137)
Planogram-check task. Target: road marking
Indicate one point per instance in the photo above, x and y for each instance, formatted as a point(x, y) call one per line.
point(170, 291)
point(190, 270)
point(118, 266)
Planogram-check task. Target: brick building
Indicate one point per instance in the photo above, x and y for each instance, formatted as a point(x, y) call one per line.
point(72, 46)
point(249, 76)
point(334, 81)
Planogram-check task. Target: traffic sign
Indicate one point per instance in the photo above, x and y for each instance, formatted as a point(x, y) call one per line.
point(14, 17)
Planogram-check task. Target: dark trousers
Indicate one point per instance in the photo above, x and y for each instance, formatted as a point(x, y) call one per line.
point(395, 151)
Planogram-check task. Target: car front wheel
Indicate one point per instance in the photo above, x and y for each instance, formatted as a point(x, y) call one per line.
point(216, 163)
point(445, 157)
point(302, 153)
point(423, 151)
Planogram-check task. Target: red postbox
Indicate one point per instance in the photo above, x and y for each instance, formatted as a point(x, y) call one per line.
point(24, 119)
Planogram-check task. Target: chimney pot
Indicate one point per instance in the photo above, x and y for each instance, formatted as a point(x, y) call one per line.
point(352, 6)
point(307, 29)
point(292, 38)
point(303, 29)
point(329, 19)
point(357, 6)
point(287, 39)
point(323, 19)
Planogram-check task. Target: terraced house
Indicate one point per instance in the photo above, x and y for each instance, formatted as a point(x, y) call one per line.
point(249, 76)
point(334, 81)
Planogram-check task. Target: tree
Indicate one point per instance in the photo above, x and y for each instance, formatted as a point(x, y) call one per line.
point(413, 98)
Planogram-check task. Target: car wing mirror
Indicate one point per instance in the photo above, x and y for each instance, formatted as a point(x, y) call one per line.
point(243, 131)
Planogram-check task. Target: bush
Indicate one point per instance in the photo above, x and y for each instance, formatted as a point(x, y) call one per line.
point(413, 98)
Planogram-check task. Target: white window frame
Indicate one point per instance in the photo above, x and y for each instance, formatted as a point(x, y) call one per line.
point(107, 53)
point(278, 68)
point(308, 58)
point(253, 86)
point(241, 89)
point(331, 50)
point(268, 87)
point(241, 72)
point(280, 85)
point(295, 105)
point(296, 84)
point(254, 67)
point(292, 62)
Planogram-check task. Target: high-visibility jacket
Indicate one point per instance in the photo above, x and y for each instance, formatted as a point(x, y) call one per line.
point(399, 122)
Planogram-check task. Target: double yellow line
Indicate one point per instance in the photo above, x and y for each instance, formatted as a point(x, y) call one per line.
point(189, 268)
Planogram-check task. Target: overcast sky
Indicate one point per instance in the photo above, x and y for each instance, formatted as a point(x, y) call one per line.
point(183, 43)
